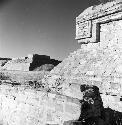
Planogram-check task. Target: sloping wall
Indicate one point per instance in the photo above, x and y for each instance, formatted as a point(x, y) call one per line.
point(3, 61)
point(29, 63)
point(21, 76)
point(24, 106)
point(20, 64)
point(99, 61)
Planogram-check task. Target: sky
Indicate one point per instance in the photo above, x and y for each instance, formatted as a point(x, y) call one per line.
point(45, 27)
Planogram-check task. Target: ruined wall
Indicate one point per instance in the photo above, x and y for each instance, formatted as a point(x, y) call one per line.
point(21, 64)
point(29, 63)
point(99, 61)
point(24, 106)
point(21, 76)
point(3, 61)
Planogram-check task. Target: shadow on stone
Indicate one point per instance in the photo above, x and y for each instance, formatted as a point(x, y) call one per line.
point(92, 110)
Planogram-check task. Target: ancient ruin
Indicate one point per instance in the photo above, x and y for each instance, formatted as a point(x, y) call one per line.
point(56, 99)
point(28, 63)
point(98, 62)
point(3, 61)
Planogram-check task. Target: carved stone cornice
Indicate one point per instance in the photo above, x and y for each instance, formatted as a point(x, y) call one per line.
point(88, 23)
point(98, 11)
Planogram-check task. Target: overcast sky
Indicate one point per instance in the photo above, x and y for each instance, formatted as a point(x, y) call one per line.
point(45, 27)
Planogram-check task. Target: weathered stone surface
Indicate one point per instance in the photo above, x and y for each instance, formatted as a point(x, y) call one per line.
point(98, 69)
point(3, 61)
point(23, 106)
point(56, 98)
point(18, 64)
point(97, 15)
point(92, 110)
point(22, 76)
point(30, 63)
point(99, 61)
point(100, 10)
point(45, 67)
point(83, 30)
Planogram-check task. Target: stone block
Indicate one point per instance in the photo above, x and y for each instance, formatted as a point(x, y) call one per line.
point(71, 109)
point(72, 90)
point(83, 30)
point(50, 116)
point(59, 107)
point(32, 121)
point(21, 97)
point(17, 117)
point(51, 102)
point(115, 87)
point(32, 101)
point(112, 101)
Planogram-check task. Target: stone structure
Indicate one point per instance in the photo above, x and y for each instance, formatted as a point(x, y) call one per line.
point(24, 106)
point(101, 33)
point(97, 63)
point(3, 61)
point(22, 77)
point(29, 63)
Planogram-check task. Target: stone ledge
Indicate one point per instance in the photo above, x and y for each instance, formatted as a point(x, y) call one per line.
point(32, 107)
point(99, 11)
point(114, 102)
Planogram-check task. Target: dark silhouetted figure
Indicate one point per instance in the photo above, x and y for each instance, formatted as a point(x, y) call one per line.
point(92, 110)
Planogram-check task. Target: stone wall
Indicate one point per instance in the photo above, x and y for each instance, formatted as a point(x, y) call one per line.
point(21, 64)
point(24, 106)
point(29, 63)
point(21, 76)
point(3, 61)
point(25, 99)
point(99, 61)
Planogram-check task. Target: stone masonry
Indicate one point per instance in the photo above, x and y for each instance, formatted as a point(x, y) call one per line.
point(3, 61)
point(20, 105)
point(98, 62)
point(29, 63)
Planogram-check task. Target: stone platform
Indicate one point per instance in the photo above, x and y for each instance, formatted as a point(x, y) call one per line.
point(29, 63)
